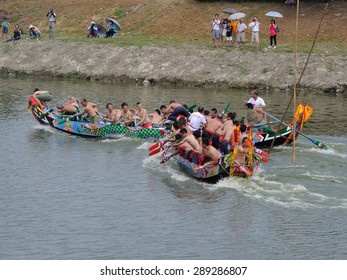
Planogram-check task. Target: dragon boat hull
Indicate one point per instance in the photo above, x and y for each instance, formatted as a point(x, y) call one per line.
point(101, 130)
point(211, 174)
point(283, 137)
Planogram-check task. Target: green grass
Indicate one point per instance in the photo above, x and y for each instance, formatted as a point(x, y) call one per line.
point(265, 70)
point(128, 39)
point(118, 13)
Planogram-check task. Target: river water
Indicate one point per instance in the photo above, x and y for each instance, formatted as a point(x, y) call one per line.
point(64, 197)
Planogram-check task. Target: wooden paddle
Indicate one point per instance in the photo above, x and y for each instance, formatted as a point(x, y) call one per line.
point(314, 141)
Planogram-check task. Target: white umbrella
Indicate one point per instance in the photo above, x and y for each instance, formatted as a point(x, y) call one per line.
point(118, 27)
point(274, 14)
point(230, 11)
point(237, 16)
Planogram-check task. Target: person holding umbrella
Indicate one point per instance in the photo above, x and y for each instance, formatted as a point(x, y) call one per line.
point(273, 27)
point(273, 33)
point(112, 27)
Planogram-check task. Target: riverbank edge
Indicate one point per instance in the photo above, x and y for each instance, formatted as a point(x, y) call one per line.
point(184, 65)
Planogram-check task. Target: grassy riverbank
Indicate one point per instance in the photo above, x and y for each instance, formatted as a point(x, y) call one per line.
point(180, 22)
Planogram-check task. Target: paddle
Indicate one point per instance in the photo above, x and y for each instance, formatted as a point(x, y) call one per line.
point(156, 150)
point(261, 152)
point(155, 145)
point(226, 108)
point(316, 142)
point(191, 108)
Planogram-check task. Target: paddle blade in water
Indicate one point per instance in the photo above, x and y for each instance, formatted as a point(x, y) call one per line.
point(155, 151)
point(265, 159)
point(154, 146)
point(321, 145)
point(261, 152)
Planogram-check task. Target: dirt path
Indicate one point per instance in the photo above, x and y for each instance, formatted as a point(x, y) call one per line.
point(184, 65)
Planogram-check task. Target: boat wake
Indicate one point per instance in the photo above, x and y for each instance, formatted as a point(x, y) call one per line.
point(170, 169)
point(279, 183)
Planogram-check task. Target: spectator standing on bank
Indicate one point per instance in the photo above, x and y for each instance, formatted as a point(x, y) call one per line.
point(224, 26)
point(241, 30)
point(215, 30)
point(255, 27)
point(5, 24)
point(273, 34)
point(51, 23)
point(233, 25)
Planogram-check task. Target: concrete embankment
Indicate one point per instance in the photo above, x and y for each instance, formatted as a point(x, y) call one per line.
point(185, 65)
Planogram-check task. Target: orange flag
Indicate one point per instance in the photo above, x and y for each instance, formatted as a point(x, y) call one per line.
point(307, 112)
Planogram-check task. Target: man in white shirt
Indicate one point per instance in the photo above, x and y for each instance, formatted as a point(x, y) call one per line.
point(254, 25)
point(197, 120)
point(241, 37)
point(255, 100)
point(215, 30)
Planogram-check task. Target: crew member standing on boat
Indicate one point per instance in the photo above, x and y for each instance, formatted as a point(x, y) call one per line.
point(255, 100)
point(241, 153)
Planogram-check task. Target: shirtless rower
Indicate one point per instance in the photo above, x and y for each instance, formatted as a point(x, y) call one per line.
point(175, 109)
point(241, 153)
point(156, 117)
point(193, 143)
point(142, 113)
point(255, 117)
point(113, 115)
point(91, 110)
point(127, 115)
point(41, 96)
point(211, 153)
point(69, 106)
point(213, 123)
point(212, 126)
point(227, 132)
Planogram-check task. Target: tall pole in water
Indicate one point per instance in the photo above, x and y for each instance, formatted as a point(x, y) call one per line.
point(295, 71)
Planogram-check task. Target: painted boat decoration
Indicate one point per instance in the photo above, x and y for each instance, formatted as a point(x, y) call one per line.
point(101, 130)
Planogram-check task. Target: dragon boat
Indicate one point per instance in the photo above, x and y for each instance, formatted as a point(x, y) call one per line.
point(285, 135)
point(101, 130)
point(226, 167)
